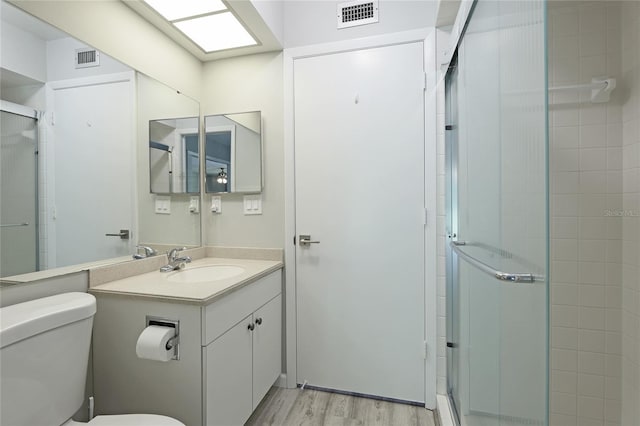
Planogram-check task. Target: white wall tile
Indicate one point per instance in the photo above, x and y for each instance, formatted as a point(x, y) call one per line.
point(590, 408)
point(591, 363)
point(591, 385)
point(591, 341)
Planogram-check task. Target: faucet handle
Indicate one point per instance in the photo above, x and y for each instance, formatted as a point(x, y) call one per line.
point(173, 253)
point(148, 251)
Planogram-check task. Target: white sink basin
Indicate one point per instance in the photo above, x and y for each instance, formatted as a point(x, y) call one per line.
point(202, 274)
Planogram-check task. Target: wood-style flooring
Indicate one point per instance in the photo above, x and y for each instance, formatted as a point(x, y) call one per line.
point(296, 407)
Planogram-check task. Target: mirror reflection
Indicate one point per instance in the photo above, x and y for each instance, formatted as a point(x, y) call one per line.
point(168, 217)
point(233, 150)
point(75, 172)
point(174, 163)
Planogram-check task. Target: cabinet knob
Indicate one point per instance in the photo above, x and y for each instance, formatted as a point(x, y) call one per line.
point(251, 326)
point(258, 321)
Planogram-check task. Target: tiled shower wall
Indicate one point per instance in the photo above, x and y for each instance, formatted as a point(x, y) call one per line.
point(630, 85)
point(586, 185)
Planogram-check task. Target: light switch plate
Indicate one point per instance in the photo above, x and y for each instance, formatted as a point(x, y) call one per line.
point(216, 204)
point(163, 205)
point(194, 205)
point(253, 204)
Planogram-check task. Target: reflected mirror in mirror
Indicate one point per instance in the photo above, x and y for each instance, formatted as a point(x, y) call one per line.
point(233, 152)
point(75, 173)
point(174, 163)
point(165, 144)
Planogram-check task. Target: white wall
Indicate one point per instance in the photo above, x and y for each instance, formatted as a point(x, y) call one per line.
point(311, 22)
point(61, 61)
point(249, 83)
point(23, 53)
point(272, 12)
point(23, 65)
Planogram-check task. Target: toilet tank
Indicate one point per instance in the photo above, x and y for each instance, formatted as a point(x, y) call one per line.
point(44, 353)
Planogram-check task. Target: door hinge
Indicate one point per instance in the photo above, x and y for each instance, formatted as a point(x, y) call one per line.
point(53, 120)
point(294, 240)
point(426, 215)
point(425, 350)
point(424, 81)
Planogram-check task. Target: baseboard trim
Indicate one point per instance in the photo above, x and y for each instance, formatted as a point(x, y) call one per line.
point(281, 381)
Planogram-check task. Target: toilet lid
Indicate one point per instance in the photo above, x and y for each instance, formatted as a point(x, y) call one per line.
point(134, 420)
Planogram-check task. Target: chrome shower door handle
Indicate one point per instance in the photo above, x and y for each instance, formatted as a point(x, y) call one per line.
point(305, 240)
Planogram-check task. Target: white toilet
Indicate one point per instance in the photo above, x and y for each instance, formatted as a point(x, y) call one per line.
point(44, 353)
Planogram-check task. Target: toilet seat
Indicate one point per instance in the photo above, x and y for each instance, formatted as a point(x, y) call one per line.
point(134, 420)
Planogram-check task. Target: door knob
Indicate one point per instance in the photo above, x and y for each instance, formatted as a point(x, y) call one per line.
point(305, 240)
point(123, 234)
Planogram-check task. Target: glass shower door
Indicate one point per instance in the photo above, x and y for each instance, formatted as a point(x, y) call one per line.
point(18, 194)
point(497, 217)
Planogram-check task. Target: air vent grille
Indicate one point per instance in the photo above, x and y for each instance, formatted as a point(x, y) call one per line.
point(87, 58)
point(357, 13)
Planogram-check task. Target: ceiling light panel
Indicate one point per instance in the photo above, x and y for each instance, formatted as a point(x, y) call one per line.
point(216, 32)
point(178, 9)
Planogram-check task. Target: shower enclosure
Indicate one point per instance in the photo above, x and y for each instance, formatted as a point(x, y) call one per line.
point(497, 216)
point(18, 190)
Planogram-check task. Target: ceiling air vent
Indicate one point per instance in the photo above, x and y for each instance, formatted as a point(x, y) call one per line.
point(86, 58)
point(356, 13)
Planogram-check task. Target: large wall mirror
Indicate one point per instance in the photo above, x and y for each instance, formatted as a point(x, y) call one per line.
point(158, 105)
point(233, 152)
point(75, 154)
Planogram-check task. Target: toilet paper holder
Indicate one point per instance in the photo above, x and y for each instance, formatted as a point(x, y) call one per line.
point(174, 342)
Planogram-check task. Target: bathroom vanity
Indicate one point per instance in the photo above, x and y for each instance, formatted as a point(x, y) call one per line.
point(230, 344)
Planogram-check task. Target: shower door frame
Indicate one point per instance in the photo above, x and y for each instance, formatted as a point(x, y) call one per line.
point(451, 141)
point(28, 112)
point(451, 228)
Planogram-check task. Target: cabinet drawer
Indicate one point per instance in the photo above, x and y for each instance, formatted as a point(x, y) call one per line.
point(223, 314)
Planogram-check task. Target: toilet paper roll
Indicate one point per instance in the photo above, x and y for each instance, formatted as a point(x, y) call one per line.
point(152, 343)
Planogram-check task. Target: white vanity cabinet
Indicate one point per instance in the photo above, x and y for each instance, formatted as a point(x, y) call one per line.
point(225, 368)
point(242, 351)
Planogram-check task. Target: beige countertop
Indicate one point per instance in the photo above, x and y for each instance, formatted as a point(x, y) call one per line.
point(63, 270)
point(155, 285)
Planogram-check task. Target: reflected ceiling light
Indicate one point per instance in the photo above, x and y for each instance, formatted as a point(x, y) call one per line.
point(222, 176)
point(216, 32)
point(178, 9)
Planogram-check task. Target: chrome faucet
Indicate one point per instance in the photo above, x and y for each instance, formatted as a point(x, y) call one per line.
point(175, 262)
point(148, 252)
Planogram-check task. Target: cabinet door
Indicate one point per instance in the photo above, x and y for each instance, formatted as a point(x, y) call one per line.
point(267, 347)
point(229, 376)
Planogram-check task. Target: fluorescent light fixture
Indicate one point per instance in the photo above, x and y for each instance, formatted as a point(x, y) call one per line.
point(216, 32)
point(178, 9)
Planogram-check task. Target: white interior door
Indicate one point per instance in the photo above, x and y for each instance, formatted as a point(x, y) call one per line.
point(94, 184)
point(359, 181)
